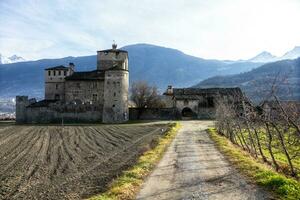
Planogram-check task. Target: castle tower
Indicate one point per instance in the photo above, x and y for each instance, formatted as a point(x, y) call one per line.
point(55, 81)
point(114, 63)
point(21, 103)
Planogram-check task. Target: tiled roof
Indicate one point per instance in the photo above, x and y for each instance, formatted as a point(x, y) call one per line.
point(91, 75)
point(198, 91)
point(60, 67)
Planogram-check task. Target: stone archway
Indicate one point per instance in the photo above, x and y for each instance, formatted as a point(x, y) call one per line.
point(187, 113)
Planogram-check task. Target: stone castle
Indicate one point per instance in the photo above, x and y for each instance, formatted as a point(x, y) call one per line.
point(91, 96)
point(102, 96)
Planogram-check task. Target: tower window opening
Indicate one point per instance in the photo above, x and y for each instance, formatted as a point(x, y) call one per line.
point(49, 73)
point(95, 97)
point(56, 86)
point(186, 102)
point(114, 94)
point(54, 72)
point(113, 105)
point(59, 73)
point(65, 73)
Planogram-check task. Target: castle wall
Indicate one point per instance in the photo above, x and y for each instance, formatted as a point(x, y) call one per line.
point(21, 103)
point(192, 104)
point(55, 90)
point(59, 114)
point(153, 114)
point(115, 109)
point(85, 91)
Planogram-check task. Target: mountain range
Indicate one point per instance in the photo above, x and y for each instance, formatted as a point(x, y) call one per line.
point(268, 57)
point(157, 65)
point(257, 83)
point(11, 59)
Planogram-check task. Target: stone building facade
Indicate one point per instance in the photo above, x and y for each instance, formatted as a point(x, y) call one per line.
point(91, 96)
point(200, 103)
point(190, 103)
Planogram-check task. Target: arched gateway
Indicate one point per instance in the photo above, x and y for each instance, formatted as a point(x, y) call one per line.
point(187, 113)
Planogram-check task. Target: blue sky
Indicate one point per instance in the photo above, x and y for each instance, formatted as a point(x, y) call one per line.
point(221, 29)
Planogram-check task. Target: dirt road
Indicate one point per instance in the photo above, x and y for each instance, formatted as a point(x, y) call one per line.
point(193, 168)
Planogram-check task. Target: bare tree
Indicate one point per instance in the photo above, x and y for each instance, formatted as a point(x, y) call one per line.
point(145, 96)
point(265, 129)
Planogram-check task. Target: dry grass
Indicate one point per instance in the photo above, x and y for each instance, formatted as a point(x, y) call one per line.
point(282, 186)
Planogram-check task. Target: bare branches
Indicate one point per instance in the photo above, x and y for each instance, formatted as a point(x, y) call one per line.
point(268, 131)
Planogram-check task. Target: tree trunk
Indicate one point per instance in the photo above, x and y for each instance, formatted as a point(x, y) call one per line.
point(259, 146)
point(270, 138)
point(243, 138)
point(281, 139)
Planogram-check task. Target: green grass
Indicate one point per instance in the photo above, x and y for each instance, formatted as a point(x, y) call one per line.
point(277, 151)
point(127, 185)
point(282, 186)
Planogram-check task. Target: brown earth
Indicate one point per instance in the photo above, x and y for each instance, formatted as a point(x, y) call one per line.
point(71, 162)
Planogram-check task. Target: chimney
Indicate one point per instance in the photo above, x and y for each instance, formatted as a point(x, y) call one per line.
point(170, 89)
point(71, 68)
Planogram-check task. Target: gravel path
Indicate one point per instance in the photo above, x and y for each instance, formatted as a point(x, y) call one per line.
point(192, 168)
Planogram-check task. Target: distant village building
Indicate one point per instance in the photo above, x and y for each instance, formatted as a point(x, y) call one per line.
point(201, 103)
point(190, 103)
point(91, 96)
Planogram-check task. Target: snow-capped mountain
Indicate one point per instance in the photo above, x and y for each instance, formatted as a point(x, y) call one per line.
point(263, 57)
point(293, 54)
point(11, 59)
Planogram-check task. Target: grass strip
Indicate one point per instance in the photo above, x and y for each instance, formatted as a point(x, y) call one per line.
point(127, 185)
point(282, 186)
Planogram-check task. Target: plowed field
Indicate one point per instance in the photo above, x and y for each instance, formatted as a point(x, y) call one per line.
point(70, 162)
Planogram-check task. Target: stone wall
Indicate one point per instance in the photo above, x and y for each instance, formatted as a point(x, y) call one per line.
point(153, 114)
point(57, 114)
point(55, 90)
point(109, 59)
point(85, 91)
point(21, 103)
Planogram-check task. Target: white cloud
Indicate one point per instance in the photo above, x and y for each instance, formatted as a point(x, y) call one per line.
point(223, 29)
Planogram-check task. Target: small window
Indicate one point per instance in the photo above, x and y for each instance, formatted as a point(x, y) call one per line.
point(65, 73)
point(95, 97)
point(114, 94)
point(56, 86)
point(54, 72)
point(57, 97)
point(113, 105)
point(186, 102)
point(49, 73)
point(59, 73)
